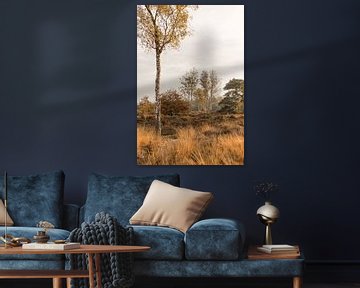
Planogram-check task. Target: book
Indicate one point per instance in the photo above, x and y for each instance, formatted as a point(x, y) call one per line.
point(51, 246)
point(255, 254)
point(278, 249)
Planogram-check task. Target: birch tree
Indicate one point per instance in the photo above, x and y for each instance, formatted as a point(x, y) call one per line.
point(160, 27)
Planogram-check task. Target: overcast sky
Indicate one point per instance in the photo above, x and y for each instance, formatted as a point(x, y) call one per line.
point(217, 42)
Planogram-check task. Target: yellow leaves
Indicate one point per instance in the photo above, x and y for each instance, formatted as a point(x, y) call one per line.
point(145, 28)
point(161, 26)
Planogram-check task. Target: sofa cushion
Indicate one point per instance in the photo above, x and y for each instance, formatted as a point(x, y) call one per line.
point(214, 239)
point(119, 196)
point(170, 206)
point(35, 198)
point(29, 232)
point(9, 221)
point(165, 243)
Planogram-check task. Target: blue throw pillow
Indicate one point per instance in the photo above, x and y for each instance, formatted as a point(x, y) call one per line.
point(35, 198)
point(120, 196)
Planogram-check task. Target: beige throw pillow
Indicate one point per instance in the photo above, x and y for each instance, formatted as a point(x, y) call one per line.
point(170, 206)
point(9, 221)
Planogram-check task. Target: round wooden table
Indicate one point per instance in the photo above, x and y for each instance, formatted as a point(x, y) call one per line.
point(94, 267)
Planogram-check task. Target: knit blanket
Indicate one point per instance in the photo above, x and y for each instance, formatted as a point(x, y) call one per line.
point(116, 268)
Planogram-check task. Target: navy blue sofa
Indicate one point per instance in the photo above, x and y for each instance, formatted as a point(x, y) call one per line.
point(210, 248)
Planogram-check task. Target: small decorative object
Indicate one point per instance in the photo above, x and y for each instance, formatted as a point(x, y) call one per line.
point(46, 225)
point(268, 213)
point(11, 241)
point(41, 236)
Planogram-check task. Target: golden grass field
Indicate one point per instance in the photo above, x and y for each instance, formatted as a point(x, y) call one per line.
point(205, 144)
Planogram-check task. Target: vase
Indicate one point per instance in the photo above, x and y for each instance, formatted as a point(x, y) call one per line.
point(268, 214)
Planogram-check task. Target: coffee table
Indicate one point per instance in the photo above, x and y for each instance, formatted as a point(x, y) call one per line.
point(94, 267)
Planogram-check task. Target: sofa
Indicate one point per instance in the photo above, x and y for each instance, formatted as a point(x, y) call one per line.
point(209, 248)
point(32, 199)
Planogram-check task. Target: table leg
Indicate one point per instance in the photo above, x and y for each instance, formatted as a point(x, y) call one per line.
point(57, 283)
point(91, 270)
point(297, 282)
point(68, 282)
point(98, 270)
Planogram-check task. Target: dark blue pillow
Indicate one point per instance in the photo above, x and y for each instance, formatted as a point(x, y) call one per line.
point(120, 196)
point(35, 198)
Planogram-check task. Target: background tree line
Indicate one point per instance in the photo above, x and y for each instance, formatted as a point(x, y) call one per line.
point(198, 92)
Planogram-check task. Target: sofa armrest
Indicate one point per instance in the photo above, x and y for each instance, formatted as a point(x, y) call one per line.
point(215, 239)
point(71, 216)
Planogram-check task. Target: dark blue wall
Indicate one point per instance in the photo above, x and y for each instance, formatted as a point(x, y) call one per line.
point(68, 101)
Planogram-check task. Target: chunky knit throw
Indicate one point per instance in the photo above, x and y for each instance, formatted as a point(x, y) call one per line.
point(116, 268)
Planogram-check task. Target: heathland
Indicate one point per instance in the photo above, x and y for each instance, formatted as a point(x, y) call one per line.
point(196, 124)
point(192, 139)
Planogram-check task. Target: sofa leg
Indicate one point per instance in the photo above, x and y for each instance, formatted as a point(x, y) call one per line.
point(57, 283)
point(297, 282)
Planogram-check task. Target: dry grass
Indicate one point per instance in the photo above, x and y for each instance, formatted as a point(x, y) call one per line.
point(221, 144)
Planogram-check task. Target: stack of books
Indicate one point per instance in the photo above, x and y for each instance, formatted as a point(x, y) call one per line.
point(279, 249)
point(273, 252)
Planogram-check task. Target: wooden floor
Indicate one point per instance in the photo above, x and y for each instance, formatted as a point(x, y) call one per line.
point(45, 283)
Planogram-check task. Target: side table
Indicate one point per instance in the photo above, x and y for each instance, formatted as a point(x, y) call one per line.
point(289, 261)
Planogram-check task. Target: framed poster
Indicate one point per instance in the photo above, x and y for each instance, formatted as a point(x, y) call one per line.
point(190, 84)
